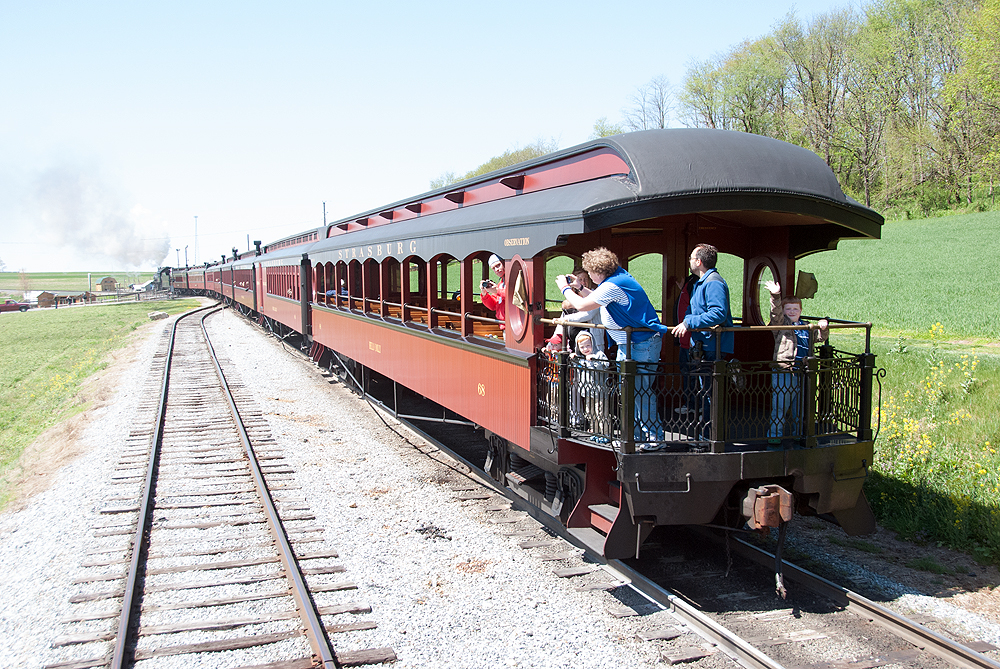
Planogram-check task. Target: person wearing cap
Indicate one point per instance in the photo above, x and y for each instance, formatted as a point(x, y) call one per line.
point(494, 295)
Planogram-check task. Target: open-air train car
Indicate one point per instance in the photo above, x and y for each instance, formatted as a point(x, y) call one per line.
point(394, 290)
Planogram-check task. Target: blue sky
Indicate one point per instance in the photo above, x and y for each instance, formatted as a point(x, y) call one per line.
point(122, 121)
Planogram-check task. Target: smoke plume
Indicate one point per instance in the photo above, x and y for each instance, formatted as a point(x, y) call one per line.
point(76, 210)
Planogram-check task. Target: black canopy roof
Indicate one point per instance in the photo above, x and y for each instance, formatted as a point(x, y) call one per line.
point(674, 171)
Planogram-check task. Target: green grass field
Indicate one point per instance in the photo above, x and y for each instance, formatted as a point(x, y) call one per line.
point(11, 282)
point(46, 355)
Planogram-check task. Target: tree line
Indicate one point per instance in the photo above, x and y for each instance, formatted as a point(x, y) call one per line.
point(901, 98)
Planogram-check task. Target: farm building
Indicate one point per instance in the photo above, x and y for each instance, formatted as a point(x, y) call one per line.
point(107, 285)
point(61, 298)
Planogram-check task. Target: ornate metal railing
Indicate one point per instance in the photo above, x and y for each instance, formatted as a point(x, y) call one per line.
point(719, 405)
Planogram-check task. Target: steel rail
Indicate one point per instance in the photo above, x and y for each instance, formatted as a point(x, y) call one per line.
point(948, 650)
point(735, 647)
point(322, 648)
point(135, 569)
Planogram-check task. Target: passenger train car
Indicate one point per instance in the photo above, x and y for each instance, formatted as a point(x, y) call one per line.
point(393, 292)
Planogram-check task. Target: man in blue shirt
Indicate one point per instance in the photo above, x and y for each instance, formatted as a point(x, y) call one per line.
point(709, 307)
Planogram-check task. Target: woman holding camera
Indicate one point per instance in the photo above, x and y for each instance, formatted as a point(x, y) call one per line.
point(624, 303)
point(578, 281)
point(494, 295)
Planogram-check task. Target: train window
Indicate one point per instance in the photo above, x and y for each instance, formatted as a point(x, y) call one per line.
point(417, 276)
point(554, 266)
point(319, 282)
point(731, 269)
point(392, 266)
point(760, 296)
point(449, 276)
point(648, 271)
point(340, 281)
point(354, 284)
point(371, 282)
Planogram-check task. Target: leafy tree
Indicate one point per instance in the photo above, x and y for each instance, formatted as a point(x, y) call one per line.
point(702, 99)
point(505, 159)
point(817, 56)
point(605, 128)
point(3, 265)
point(973, 93)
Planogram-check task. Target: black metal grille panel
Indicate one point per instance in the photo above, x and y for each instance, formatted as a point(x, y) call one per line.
point(758, 403)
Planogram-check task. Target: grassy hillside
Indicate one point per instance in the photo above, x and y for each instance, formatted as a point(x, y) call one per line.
point(10, 282)
point(941, 270)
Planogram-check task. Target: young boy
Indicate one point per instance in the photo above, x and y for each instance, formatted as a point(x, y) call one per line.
point(791, 347)
point(589, 364)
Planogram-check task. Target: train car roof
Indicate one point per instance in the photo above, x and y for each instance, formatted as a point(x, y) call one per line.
point(750, 180)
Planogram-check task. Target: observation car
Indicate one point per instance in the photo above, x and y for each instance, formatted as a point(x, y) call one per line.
point(392, 294)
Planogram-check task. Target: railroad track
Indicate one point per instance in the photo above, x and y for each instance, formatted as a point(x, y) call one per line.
point(205, 548)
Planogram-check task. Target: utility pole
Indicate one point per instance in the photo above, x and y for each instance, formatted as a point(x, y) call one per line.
point(324, 213)
point(186, 256)
point(178, 257)
point(195, 241)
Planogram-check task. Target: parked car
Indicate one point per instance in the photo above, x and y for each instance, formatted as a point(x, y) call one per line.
point(11, 305)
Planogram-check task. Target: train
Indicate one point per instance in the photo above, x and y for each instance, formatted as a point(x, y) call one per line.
point(393, 293)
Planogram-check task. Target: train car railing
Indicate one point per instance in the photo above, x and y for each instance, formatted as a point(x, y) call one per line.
point(718, 406)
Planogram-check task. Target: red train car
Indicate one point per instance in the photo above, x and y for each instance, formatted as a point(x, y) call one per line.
point(394, 291)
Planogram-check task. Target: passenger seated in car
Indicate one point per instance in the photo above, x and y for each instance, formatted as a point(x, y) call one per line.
point(495, 294)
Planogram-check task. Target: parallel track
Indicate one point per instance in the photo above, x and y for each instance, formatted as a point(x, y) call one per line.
point(201, 460)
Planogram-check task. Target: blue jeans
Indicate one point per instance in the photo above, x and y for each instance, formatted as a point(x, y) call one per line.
point(647, 416)
point(786, 396)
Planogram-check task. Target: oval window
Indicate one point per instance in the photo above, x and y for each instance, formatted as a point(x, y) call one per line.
point(760, 296)
point(518, 299)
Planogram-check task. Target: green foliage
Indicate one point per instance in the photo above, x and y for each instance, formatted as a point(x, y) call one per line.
point(47, 354)
point(505, 159)
point(605, 128)
point(935, 475)
point(927, 563)
point(901, 99)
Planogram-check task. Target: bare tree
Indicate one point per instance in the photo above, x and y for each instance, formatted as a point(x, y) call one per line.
point(651, 105)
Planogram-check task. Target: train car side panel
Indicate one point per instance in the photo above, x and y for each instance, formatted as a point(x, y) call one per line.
point(492, 391)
